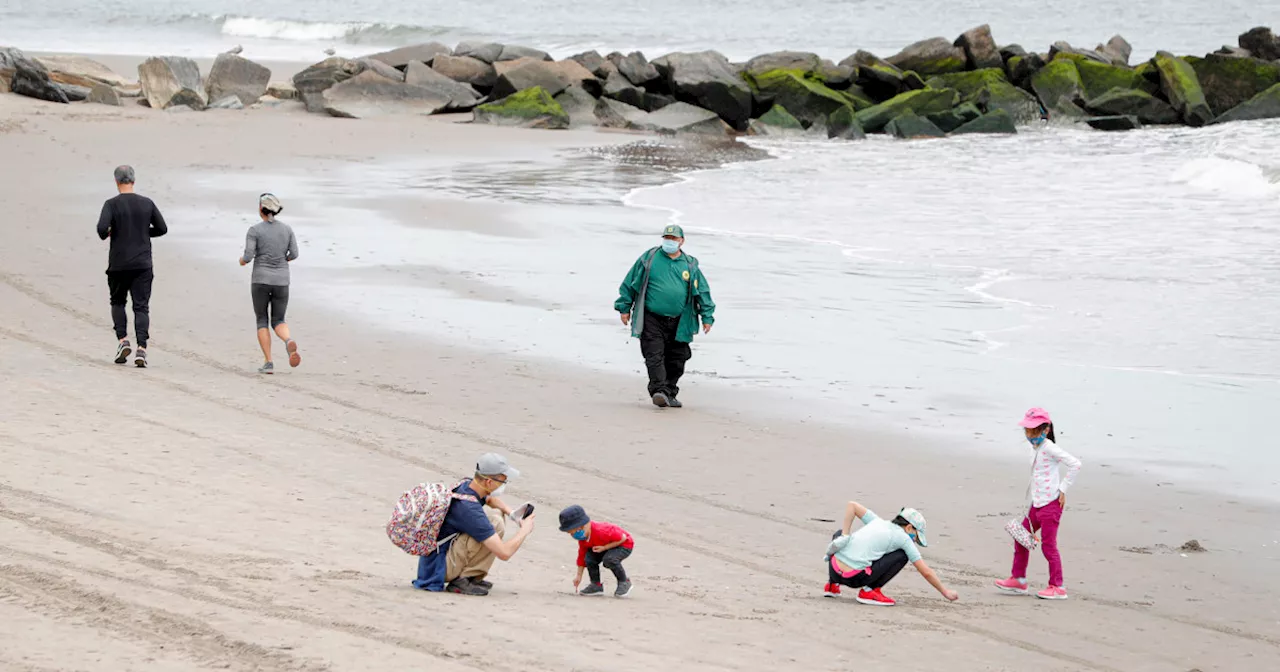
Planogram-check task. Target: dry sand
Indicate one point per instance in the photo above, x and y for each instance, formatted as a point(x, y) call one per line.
point(196, 516)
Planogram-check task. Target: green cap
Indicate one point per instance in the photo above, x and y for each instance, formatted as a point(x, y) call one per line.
point(673, 230)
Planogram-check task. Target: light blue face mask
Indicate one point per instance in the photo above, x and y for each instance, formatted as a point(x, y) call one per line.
point(670, 246)
point(1036, 440)
point(580, 535)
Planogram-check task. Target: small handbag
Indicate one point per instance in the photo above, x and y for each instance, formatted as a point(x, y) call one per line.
point(1020, 534)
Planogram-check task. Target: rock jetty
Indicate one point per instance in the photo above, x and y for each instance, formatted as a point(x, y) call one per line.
point(934, 88)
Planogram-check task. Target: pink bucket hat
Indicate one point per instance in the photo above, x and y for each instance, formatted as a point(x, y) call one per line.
point(1035, 417)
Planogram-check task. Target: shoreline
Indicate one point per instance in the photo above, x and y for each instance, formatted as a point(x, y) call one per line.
point(334, 441)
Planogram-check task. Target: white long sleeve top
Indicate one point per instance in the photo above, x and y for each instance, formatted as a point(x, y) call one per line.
point(1053, 470)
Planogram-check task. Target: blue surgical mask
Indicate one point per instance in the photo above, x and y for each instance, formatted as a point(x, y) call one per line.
point(1036, 441)
point(670, 246)
point(580, 535)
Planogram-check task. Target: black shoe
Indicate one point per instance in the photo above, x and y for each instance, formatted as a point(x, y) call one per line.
point(674, 403)
point(660, 400)
point(463, 586)
point(487, 585)
point(592, 590)
point(122, 352)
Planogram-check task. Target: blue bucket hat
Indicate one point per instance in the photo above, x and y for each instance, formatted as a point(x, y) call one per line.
point(572, 518)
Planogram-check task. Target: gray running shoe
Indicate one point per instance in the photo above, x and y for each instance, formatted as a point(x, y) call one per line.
point(267, 368)
point(674, 403)
point(592, 590)
point(624, 589)
point(140, 359)
point(660, 400)
point(122, 352)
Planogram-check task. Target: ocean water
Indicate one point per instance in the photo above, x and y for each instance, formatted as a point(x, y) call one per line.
point(301, 30)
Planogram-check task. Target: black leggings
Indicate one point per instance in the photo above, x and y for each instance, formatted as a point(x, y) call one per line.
point(273, 297)
point(612, 561)
point(883, 569)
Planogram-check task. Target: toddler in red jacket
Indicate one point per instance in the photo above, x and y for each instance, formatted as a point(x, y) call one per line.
point(598, 544)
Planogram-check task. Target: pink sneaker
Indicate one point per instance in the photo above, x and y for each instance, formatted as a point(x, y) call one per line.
point(1053, 593)
point(1012, 585)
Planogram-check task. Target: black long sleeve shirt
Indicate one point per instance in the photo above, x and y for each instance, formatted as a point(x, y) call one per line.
point(131, 221)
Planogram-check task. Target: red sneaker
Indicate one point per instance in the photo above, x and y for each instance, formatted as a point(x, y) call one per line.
point(831, 590)
point(874, 598)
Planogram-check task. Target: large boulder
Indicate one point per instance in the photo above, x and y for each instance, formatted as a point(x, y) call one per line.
point(777, 121)
point(1117, 49)
point(843, 125)
point(1117, 123)
point(530, 108)
point(1076, 54)
point(619, 88)
point(935, 56)
point(1229, 81)
point(1099, 78)
point(1059, 88)
point(369, 94)
point(579, 105)
point(998, 122)
point(1022, 68)
point(312, 82)
point(1182, 88)
point(878, 78)
point(172, 80)
point(1133, 103)
point(921, 102)
point(980, 48)
point(838, 77)
point(511, 52)
point(909, 125)
point(707, 80)
point(461, 96)
point(1261, 43)
point(393, 74)
point(685, 118)
point(232, 75)
point(809, 100)
point(30, 78)
point(74, 93)
point(956, 117)
point(467, 70)
point(402, 57)
point(483, 51)
point(83, 67)
point(594, 62)
point(617, 114)
point(637, 69)
point(104, 94)
point(782, 60)
point(1265, 105)
point(552, 76)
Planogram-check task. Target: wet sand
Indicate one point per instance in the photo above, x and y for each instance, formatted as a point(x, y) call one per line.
point(197, 516)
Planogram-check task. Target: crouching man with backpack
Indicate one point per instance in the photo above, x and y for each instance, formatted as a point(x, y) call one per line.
point(458, 531)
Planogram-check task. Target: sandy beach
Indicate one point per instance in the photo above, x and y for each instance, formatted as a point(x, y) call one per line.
point(196, 516)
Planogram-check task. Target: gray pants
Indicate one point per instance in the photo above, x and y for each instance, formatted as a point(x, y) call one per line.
point(272, 299)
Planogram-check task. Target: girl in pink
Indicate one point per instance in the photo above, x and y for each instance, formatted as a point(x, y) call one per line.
point(1053, 470)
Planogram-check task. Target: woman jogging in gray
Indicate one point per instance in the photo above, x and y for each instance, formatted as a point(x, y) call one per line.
point(270, 245)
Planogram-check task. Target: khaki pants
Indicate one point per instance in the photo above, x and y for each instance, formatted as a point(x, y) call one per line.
point(469, 558)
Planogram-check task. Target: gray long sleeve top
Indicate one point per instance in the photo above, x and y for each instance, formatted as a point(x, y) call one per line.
point(270, 246)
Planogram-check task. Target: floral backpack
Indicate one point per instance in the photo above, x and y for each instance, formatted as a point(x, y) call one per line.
point(419, 513)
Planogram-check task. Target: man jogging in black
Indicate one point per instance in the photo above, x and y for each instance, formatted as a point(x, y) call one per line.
point(130, 221)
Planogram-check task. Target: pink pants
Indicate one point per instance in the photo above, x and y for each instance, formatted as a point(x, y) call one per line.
point(1045, 519)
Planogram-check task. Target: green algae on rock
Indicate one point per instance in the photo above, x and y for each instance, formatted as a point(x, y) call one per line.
point(1059, 87)
point(531, 108)
point(910, 125)
point(956, 117)
point(1229, 81)
point(997, 122)
point(1180, 85)
point(1129, 102)
point(1265, 105)
point(807, 99)
point(843, 124)
point(1099, 78)
point(924, 101)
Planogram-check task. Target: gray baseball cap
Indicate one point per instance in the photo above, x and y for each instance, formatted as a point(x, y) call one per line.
point(493, 464)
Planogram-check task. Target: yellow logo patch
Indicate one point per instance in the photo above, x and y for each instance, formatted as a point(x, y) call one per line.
point(685, 275)
point(695, 284)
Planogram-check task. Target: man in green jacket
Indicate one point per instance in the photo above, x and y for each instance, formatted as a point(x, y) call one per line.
point(663, 298)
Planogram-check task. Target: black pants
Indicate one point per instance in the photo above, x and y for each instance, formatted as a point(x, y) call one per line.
point(664, 356)
point(274, 298)
point(136, 285)
point(612, 561)
point(882, 572)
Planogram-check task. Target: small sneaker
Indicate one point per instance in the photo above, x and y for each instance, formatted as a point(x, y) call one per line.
point(267, 368)
point(487, 585)
point(292, 348)
point(660, 400)
point(874, 598)
point(122, 352)
point(140, 359)
point(831, 590)
point(463, 586)
point(1053, 593)
point(624, 589)
point(674, 403)
point(1012, 585)
point(592, 590)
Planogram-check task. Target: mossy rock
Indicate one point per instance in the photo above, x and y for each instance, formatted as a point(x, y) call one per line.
point(843, 124)
point(924, 101)
point(1265, 105)
point(1131, 102)
point(997, 122)
point(1021, 106)
point(1114, 123)
point(1059, 87)
point(1099, 78)
point(1182, 88)
point(531, 108)
point(880, 80)
point(806, 98)
point(779, 117)
point(1229, 81)
point(910, 125)
point(956, 117)
point(912, 81)
point(1022, 68)
point(968, 83)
